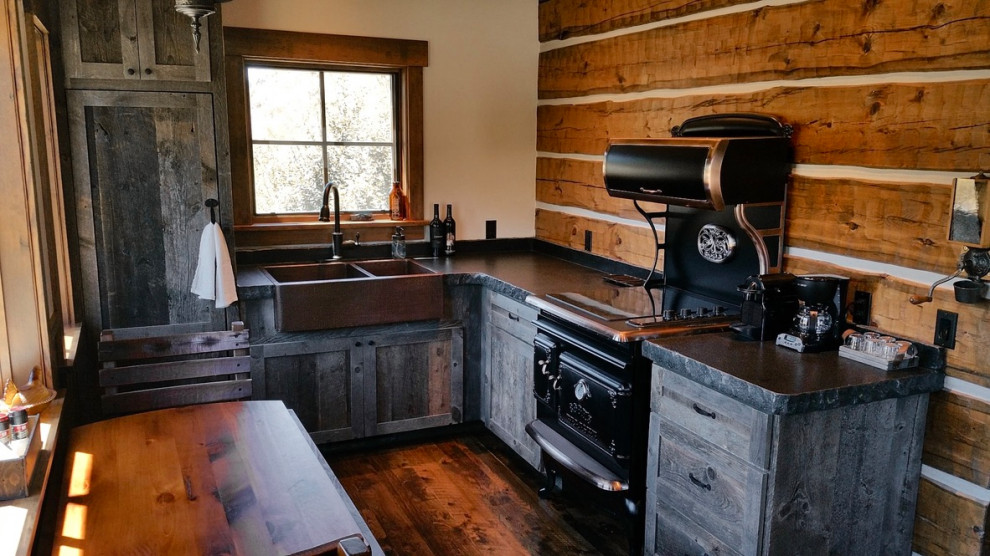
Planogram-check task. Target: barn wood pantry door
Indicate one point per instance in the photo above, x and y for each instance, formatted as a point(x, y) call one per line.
point(143, 164)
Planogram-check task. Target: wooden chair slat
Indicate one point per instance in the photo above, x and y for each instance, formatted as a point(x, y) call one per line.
point(174, 370)
point(173, 396)
point(171, 346)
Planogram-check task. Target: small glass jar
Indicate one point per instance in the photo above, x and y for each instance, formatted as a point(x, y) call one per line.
point(855, 341)
point(398, 243)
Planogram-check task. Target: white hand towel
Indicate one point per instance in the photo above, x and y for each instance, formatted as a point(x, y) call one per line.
point(225, 284)
point(214, 277)
point(204, 280)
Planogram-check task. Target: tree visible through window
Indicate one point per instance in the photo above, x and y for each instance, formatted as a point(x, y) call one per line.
point(309, 127)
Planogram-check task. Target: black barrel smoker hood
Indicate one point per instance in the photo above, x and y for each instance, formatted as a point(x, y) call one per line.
point(710, 162)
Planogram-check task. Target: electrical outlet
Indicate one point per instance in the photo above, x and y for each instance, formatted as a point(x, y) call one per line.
point(862, 303)
point(490, 229)
point(587, 240)
point(945, 329)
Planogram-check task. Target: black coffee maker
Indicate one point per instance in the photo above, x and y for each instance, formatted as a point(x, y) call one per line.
point(769, 304)
point(819, 321)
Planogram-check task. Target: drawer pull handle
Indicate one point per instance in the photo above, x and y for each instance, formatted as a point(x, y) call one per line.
point(702, 411)
point(699, 483)
point(513, 317)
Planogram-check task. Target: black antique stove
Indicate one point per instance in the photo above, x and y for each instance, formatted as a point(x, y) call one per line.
point(723, 180)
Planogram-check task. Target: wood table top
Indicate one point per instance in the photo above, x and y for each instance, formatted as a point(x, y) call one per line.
point(223, 478)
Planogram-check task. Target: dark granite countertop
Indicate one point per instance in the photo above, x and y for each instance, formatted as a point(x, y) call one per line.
point(777, 380)
point(515, 274)
point(760, 374)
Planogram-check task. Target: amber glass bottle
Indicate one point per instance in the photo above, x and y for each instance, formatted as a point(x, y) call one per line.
point(397, 202)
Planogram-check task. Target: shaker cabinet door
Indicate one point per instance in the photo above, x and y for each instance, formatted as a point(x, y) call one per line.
point(131, 40)
point(417, 383)
point(508, 382)
point(143, 165)
point(323, 387)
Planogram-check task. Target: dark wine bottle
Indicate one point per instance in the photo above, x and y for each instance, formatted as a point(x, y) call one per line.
point(450, 232)
point(436, 232)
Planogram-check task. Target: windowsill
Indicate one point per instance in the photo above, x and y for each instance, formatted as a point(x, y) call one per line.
point(19, 517)
point(344, 224)
point(273, 234)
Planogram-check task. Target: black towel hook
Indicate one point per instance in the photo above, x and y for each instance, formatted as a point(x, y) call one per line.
point(213, 204)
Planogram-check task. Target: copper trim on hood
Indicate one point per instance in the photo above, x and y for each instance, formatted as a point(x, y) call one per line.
point(699, 172)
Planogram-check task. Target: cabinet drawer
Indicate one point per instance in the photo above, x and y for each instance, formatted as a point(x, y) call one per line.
point(675, 534)
point(731, 425)
point(513, 317)
point(719, 493)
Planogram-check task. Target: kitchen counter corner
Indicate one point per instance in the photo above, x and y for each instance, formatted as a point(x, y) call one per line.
point(780, 381)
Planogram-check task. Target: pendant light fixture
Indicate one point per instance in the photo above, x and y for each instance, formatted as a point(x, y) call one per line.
point(196, 10)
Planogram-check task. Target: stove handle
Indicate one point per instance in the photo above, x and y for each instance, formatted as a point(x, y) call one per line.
point(544, 363)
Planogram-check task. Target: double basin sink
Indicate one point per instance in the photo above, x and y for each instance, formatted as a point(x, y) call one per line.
point(317, 296)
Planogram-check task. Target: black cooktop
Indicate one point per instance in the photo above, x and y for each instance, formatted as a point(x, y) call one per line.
point(629, 314)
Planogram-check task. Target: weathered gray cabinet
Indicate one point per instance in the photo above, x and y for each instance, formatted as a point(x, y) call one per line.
point(131, 39)
point(147, 125)
point(143, 165)
point(365, 383)
point(725, 478)
point(507, 389)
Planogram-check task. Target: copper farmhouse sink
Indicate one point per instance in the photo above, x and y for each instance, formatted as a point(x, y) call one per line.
point(319, 296)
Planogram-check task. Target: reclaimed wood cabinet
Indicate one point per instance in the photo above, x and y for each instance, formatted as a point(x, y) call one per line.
point(132, 40)
point(507, 387)
point(725, 478)
point(143, 165)
point(365, 382)
point(148, 134)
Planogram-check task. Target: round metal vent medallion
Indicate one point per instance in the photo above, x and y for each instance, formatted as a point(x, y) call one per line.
point(716, 244)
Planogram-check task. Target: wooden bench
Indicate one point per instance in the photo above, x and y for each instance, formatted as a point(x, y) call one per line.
point(155, 372)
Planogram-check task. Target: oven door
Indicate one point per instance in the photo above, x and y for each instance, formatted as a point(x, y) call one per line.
point(596, 405)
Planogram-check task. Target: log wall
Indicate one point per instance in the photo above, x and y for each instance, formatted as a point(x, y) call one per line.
point(889, 101)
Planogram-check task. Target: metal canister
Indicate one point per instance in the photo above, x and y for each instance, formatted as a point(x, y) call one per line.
point(18, 424)
point(4, 428)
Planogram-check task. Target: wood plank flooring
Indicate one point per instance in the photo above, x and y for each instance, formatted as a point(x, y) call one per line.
point(468, 495)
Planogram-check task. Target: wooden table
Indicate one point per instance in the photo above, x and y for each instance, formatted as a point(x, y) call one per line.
point(224, 478)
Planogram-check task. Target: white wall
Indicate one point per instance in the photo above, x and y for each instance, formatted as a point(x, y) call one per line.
point(480, 93)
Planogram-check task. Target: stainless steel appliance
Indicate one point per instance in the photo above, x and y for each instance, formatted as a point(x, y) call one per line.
point(723, 179)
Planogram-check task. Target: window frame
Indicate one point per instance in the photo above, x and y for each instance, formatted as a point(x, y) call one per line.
point(405, 58)
point(397, 131)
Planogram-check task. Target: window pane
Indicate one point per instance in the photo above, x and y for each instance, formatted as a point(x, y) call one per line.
point(285, 104)
point(362, 174)
point(359, 106)
point(287, 178)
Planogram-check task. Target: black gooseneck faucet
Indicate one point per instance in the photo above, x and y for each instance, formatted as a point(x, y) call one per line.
point(337, 236)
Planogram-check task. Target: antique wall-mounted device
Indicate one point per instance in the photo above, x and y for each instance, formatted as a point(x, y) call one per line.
point(969, 227)
point(196, 10)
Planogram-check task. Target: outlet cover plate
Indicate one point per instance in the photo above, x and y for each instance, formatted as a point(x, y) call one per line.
point(945, 329)
point(862, 304)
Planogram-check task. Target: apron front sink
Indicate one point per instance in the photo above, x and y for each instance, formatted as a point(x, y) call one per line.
point(320, 296)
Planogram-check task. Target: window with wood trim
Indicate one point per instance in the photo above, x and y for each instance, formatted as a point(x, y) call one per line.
point(314, 126)
point(295, 99)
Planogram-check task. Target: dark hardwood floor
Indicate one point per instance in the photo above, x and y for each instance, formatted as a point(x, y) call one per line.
point(468, 494)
